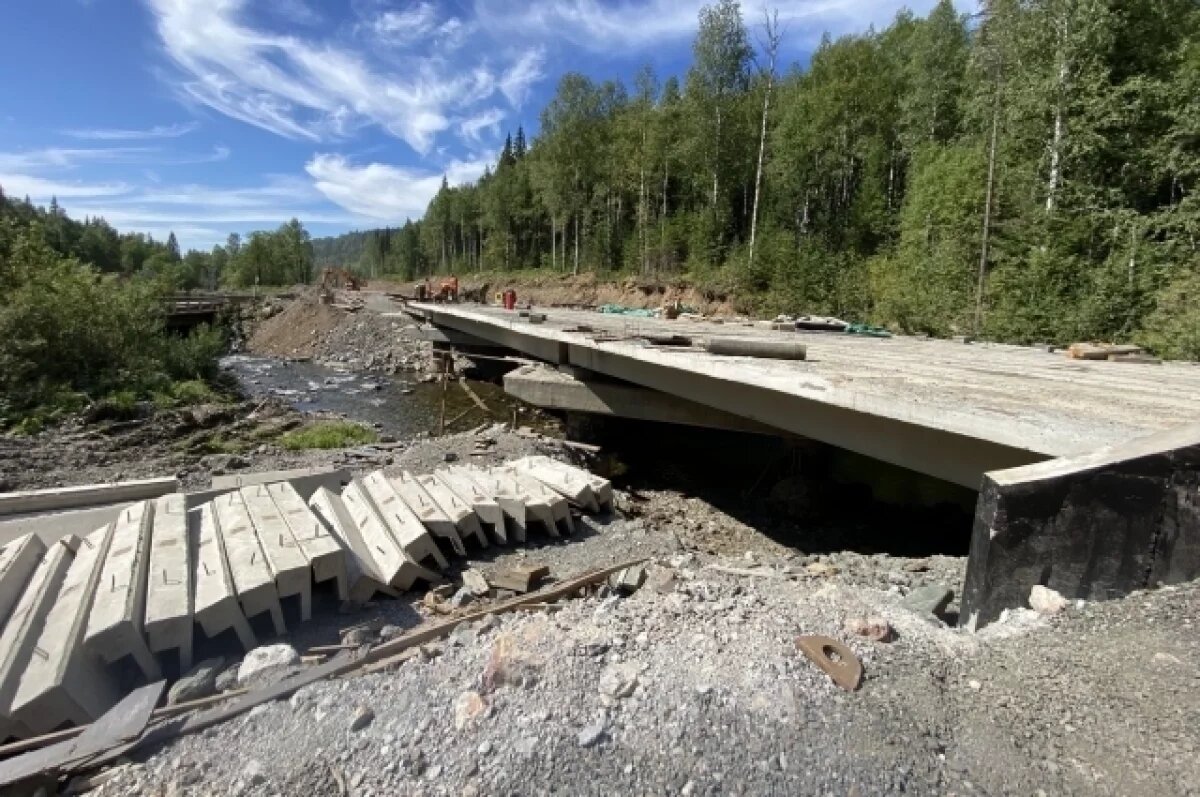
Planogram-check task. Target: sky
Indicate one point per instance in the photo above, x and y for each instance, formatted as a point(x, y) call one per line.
point(206, 117)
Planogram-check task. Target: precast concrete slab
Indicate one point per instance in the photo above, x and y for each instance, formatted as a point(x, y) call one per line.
point(406, 528)
point(506, 493)
point(574, 487)
point(601, 487)
point(432, 516)
point(114, 625)
point(216, 607)
point(63, 682)
point(25, 623)
point(305, 481)
point(559, 518)
point(289, 566)
point(168, 618)
point(363, 577)
point(396, 568)
point(252, 576)
point(18, 560)
point(59, 498)
point(482, 504)
point(456, 508)
point(320, 548)
point(939, 407)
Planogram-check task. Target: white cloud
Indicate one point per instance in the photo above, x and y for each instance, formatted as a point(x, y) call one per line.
point(40, 189)
point(110, 134)
point(517, 80)
point(385, 192)
point(67, 158)
point(320, 90)
point(632, 26)
point(471, 127)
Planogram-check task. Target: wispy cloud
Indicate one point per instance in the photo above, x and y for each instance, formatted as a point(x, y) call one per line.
point(40, 189)
point(471, 127)
point(320, 90)
point(625, 27)
point(67, 158)
point(520, 77)
point(385, 192)
point(111, 134)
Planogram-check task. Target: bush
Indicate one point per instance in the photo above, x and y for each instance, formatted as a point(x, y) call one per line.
point(328, 434)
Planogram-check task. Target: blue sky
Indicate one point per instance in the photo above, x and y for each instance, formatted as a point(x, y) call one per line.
point(207, 117)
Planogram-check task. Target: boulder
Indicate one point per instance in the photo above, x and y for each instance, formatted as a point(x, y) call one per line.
point(267, 664)
point(200, 681)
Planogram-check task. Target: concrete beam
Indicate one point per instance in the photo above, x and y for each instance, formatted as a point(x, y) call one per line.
point(24, 626)
point(432, 516)
point(482, 504)
point(575, 487)
point(216, 606)
point(18, 560)
point(554, 389)
point(506, 493)
point(560, 510)
point(252, 576)
point(455, 338)
point(1097, 526)
point(319, 547)
point(405, 527)
point(289, 567)
point(396, 568)
point(58, 498)
point(363, 576)
point(168, 617)
point(304, 481)
point(64, 683)
point(458, 510)
point(114, 626)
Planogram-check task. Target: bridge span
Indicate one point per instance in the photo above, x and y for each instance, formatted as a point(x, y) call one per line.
point(1088, 471)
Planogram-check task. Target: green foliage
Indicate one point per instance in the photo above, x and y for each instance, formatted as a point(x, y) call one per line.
point(328, 434)
point(1172, 328)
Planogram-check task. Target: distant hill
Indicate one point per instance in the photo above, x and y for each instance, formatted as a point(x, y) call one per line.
point(341, 250)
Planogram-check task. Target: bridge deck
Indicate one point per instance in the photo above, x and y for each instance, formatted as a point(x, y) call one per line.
point(941, 407)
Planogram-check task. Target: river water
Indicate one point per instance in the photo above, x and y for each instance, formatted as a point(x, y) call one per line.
point(396, 405)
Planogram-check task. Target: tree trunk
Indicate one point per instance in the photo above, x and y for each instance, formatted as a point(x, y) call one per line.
point(553, 245)
point(773, 46)
point(576, 269)
point(987, 216)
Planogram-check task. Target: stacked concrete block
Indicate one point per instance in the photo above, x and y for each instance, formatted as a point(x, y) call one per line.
point(168, 619)
point(578, 486)
point(18, 560)
point(458, 510)
point(396, 568)
point(432, 516)
point(507, 495)
point(363, 576)
point(114, 626)
point(318, 545)
point(252, 576)
point(286, 560)
point(482, 504)
point(216, 606)
point(406, 528)
point(24, 624)
point(63, 682)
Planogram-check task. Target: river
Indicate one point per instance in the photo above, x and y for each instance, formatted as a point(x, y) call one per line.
point(397, 406)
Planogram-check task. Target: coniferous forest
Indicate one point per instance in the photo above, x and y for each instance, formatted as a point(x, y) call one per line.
point(1025, 173)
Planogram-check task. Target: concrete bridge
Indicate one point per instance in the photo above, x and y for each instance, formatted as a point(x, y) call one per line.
point(1087, 470)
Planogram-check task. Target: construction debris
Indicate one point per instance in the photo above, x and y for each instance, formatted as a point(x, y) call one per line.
point(1100, 351)
point(834, 658)
point(82, 604)
point(520, 579)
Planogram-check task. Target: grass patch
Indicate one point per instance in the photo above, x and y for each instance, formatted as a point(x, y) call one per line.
point(328, 434)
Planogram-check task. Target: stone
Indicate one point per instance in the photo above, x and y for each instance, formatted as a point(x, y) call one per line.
point(475, 581)
point(591, 734)
point(358, 636)
point(252, 773)
point(930, 599)
point(975, 685)
point(461, 598)
point(363, 717)
point(820, 569)
point(485, 747)
point(390, 632)
point(619, 680)
point(266, 664)
point(450, 456)
point(1046, 601)
point(200, 681)
point(875, 629)
point(228, 679)
point(467, 706)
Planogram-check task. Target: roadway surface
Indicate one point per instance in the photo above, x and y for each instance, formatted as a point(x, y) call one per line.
point(946, 408)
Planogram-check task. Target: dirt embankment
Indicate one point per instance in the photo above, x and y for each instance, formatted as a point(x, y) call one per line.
point(586, 290)
point(343, 332)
